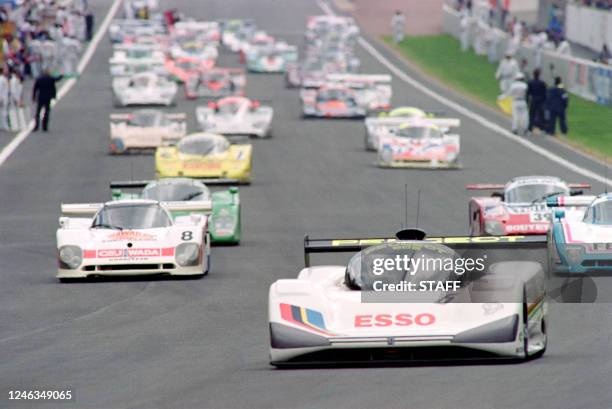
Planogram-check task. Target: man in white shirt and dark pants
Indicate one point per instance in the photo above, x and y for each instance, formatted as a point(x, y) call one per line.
point(520, 112)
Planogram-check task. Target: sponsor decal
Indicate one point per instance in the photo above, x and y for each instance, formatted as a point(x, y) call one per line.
point(304, 317)
point(130, 235)
point(524, 228)
point(397, 320)
point(129, 253)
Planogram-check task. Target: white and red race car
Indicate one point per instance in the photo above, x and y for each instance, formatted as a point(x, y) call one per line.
point(133, 237)
point(236, 115)
point(361, 312)
point(418, 143)
point(145, 129)
point(519, 207)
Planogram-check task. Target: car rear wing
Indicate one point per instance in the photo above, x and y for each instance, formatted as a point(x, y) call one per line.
point(80, 209)
point(397, 121)
point(358, 80)
point(354, 245)
point(141, 184)
point(190, 206)
point(570, 201)
point(495, 186)
point(90, 209)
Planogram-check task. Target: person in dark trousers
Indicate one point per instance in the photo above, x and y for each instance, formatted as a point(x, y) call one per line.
point(89, 25)
point(43, 93)
point(556, 106)
point(536, 98)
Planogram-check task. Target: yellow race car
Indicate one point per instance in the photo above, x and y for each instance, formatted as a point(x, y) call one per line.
point(205, 156)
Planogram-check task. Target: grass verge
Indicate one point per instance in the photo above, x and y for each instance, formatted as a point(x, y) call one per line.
point(590, 124)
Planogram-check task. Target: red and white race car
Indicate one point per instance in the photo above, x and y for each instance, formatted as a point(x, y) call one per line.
point(133, 237)
point(419, 143)
point(217, 82)
point(180, 69)
point(520, 208)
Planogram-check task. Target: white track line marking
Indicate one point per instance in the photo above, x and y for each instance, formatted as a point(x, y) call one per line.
point(67, 85)
point(470, 114)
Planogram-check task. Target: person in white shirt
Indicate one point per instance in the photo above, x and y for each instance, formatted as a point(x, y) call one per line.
point(398, 26)
point(506, 72)
point(4, 101)
point(520, 113)
point(564, 47)
point(466, 30)
point(16, 90)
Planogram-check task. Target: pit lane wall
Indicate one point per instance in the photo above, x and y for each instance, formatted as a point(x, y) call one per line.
point(588, 26)
point(589, 80)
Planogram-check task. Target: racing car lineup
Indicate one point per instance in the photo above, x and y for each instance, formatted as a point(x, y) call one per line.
point(167, 226)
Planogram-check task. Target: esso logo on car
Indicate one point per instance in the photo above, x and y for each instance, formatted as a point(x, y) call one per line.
point(399, 320)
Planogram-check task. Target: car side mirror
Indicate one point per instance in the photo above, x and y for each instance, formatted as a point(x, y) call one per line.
point(559, 214)
point(499, 195)
point(233, 189)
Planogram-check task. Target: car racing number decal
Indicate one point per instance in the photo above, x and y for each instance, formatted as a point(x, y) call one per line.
point(187, 236)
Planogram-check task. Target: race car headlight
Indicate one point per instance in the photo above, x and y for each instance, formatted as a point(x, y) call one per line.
point(574, 253)
point(70, 257)
point(494, 228)
point(187, 254)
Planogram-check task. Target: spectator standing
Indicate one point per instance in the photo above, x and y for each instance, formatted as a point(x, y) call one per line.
point(4, 100)
point(398, 26)
point(89, 24)
point(518, 92)
point(466, 29)
point(17, 115)
point(536, 98)
point(557, 102)
point(564, 47)
point(43, 93)
point(506, 72)
point(604, 55)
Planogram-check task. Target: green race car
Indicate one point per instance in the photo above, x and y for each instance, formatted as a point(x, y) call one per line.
point(225, 223)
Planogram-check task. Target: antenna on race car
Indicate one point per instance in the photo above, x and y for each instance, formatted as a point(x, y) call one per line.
point(606, 174)
point(418, 207)
point(405, 205)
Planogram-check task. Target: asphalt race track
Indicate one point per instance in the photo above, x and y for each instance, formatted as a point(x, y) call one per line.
point(151, 344)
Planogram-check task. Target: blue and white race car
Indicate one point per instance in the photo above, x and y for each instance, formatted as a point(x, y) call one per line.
point(580, 239)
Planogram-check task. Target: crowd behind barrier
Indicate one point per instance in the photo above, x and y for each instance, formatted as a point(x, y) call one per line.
point(37, 36)
point(587, 79)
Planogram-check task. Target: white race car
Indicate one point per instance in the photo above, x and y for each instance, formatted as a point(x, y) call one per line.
point(133, 237)
point(236, 116)
point(137, 66)
point(145, 129)
point(419, 143)
point(436, 309)
point(126, 53)
point(146, 88)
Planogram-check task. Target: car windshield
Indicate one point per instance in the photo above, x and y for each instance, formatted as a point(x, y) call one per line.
point(175, 192)
point(144, 119)
point(132, 216)
point(418, 132)
point(333, 95)
point(601, 213)
point(215, 77)
point(140, 82)
point(228, 108)
point(424, 262)
point(187, 65)
point(533, 193)
point(202, 146)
